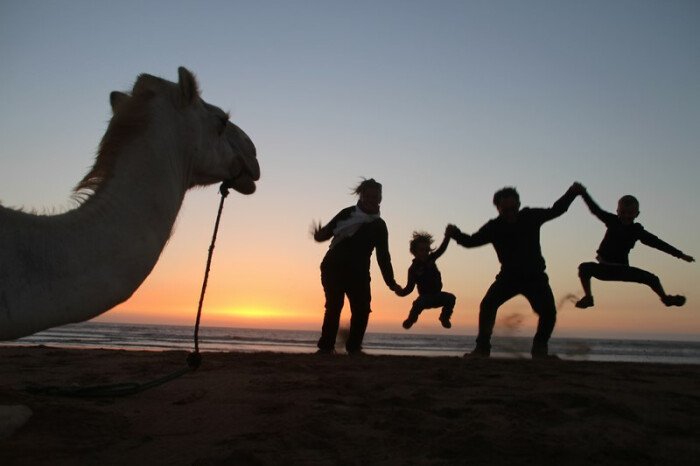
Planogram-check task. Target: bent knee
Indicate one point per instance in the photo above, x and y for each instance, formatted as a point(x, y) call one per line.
point(585, 269)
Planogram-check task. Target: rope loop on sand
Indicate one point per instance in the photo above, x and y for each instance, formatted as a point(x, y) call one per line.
point(194, 359)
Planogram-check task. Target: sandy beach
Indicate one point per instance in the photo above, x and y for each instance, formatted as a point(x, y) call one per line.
point(270, 408)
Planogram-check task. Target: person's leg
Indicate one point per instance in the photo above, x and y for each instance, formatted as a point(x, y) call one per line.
point(416, 309)
point(625, 273)
point(541, 298)
point(360, 297)
point(334, 291)
point(636, 275)
point(447, 301)
point(498, 293)
point(585, 272)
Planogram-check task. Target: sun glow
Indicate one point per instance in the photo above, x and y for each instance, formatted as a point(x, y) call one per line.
point(253, 313)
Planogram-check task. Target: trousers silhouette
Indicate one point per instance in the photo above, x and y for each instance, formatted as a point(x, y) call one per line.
point(336, 285)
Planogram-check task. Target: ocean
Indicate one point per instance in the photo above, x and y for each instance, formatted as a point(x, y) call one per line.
point(170, 337)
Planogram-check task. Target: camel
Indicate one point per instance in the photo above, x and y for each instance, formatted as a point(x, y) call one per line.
point(162, 140)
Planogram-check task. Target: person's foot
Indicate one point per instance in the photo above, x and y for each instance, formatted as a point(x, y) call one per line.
point(445, 321)
point(673, 300)
point(478, 353)
point(357, 352)
point(583, 303)
point(408, 323)
point(540, 351)
point(327, 352)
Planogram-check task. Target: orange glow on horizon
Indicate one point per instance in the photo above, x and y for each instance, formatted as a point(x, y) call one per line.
point(278, 287)
point(304, 311)
point(251, 313)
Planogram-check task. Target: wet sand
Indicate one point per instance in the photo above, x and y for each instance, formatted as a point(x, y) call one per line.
point(271, 408)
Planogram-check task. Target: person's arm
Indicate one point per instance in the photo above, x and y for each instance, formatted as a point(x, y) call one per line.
point(441, 249)
point(562, 204)
point(595, 209)
point(655, 242)
point(410, 284)
point(324, 233)
point(383, 256)
point(481, 237)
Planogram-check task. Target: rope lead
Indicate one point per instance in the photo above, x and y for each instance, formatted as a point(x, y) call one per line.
point(194, 359)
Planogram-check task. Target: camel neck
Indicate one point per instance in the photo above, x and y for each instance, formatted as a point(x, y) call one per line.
point(85, 261)
point(134, 212)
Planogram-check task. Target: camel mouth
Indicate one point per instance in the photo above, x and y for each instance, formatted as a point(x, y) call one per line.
point(246, 169)
point(244, 181)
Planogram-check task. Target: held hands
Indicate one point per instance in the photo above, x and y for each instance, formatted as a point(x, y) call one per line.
point(451, 231)
point(396, 288)
point(577, 188)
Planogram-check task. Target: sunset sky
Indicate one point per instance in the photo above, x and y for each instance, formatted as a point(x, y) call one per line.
point(443, 102)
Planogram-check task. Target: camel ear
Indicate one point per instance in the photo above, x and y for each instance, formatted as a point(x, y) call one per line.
point(188, 85)
point(117, 99)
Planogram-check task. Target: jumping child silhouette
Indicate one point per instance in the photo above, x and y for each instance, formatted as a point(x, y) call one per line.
point(613, 262)
point(424, 273)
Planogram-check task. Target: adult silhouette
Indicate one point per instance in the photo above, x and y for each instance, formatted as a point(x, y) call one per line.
point(515, 235)
point(356, 231)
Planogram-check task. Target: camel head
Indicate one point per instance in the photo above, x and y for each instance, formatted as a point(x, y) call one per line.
point(217, 150)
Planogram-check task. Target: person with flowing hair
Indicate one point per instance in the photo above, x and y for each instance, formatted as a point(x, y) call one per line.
point(356, 232)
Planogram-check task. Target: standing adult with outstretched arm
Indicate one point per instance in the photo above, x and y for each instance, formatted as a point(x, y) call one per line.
point(356, 231)
point(515, 235)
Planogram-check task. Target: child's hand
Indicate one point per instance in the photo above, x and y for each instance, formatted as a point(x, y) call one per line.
point(396, 288)
point(687, 258)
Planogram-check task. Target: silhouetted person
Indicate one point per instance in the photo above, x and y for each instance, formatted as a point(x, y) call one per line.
point(356, 232)
point(613, 253)
point(515, 235)
point(424, 273)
